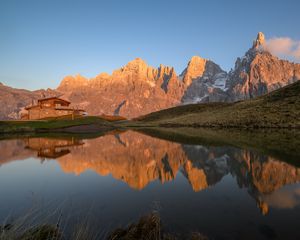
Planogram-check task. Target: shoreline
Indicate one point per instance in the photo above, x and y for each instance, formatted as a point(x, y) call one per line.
point(68, 126)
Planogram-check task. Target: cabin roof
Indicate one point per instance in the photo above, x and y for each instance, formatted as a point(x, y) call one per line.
point(56, 98)
point(57, 108)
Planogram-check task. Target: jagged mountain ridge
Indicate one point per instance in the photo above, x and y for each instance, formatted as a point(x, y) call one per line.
point(130, 91)
point(259, 72)
point(138, 89)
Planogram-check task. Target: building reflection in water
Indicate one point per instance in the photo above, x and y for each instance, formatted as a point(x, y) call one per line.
point(50, 147)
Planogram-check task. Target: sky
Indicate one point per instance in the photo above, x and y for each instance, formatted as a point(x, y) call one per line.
point(43, 41)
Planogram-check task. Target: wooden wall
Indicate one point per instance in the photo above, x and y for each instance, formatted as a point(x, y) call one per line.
point(38, 113)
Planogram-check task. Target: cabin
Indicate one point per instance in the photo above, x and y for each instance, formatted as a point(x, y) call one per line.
point(49, 108)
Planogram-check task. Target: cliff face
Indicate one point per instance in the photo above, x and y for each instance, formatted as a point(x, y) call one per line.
point(204, 81)
point(130, 91)
point(259, 72)
point(137, 89)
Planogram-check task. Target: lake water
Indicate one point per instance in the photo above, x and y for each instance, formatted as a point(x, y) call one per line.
point(221, 190)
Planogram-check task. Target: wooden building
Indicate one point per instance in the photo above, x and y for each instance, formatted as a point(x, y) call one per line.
point(50, 107)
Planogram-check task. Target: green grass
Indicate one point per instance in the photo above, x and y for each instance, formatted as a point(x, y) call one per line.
point(278, 109)
point(51, 124)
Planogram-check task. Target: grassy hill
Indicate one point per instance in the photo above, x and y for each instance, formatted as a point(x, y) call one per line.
point(278, 109)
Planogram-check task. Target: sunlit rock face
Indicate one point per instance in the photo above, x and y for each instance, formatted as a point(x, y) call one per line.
point(130, 91)
point(204, 81)
point(137, 89)
point(194, 70)
point(259, 42)
point(259, 72)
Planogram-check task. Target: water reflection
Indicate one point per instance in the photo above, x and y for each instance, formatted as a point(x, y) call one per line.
point(50, 147)
point(138, 160)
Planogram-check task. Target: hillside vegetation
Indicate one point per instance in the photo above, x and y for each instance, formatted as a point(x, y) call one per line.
point(278, 109)
point(82, 124)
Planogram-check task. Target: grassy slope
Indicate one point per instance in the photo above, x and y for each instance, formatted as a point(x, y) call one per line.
point(280, 108)
point(52, 124)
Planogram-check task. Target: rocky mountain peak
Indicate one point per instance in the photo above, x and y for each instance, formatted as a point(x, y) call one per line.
point(197, 64)
point(260, 41)
point(103, 75)
point(162, 69)
point(137, 64)
point(72, 82)
point(194, 70)
point(259, 72)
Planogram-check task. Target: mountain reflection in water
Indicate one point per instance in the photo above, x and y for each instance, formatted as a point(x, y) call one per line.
point(138, 160)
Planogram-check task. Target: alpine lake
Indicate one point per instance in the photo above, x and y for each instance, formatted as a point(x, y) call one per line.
point(225, 184)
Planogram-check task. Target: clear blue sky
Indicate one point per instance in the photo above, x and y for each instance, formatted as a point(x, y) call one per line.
point(43, 41)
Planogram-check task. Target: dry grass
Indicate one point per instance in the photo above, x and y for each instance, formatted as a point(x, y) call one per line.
point(148, 227)
point(278, 109)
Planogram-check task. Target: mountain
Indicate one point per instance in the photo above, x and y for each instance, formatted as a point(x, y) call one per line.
point(256, 73)
point(280, 108)
point(204, 81)
point(130, 91)
point(259, 72)
point(137, 89)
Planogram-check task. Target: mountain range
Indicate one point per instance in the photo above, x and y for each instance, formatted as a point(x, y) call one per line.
point(138, 89)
